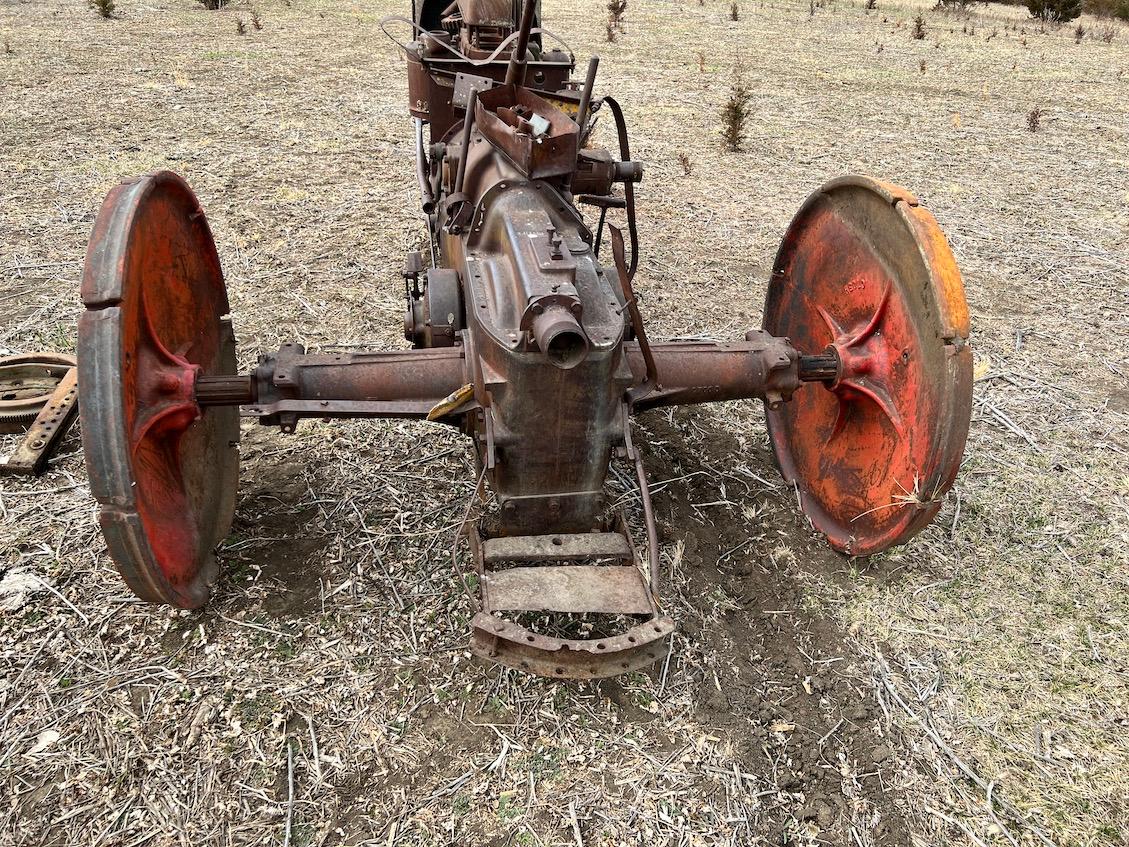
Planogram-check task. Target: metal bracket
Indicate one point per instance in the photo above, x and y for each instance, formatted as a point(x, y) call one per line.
point(47, 431)
point(464, 82)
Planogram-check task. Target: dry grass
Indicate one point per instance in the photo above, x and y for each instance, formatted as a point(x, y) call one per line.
point(326, 698)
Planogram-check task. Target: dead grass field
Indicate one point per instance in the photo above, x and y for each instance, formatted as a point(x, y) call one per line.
point(970, 688)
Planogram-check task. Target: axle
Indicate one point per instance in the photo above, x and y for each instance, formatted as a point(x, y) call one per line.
point(289, 384)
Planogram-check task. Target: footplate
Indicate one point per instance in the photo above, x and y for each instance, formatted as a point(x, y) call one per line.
point(522, 574)
point(516, 646)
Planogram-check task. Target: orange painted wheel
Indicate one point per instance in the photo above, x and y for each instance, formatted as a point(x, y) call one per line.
point(865, 272)
point(163, 469)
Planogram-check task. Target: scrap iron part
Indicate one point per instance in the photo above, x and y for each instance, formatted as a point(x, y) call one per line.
point(531, 345)
point(27, 383)
point(51, 423)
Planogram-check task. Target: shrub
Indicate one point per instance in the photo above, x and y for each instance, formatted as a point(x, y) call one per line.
point(616, 10)
point(105, 8)
point(919, 28)
point(734, 12)
point(1108, 8)
point(213, 4)
point(735, 114)
point(1054, 10)
point(1033, 118)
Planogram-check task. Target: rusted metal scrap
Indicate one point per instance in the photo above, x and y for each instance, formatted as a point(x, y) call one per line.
point(39, 394)
point(530, 341)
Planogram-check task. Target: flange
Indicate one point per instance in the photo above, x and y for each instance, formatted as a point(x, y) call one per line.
point(865, 273)
point(163, 469)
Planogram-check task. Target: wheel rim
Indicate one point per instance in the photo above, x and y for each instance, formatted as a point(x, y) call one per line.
point(163, 469)
point(865, 271)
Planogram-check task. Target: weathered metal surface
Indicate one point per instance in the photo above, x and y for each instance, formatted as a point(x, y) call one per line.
point(535, 349)
point(617, 589)
point(27, 384)
point(547, 548)
point(162, 469)
point(436, 59)
point(493, 13)
point(510, 644)
point(538, 138)
point(464, 83)
point(50, 425)
point(526, 256)
point(865, 273)
point(290, 385)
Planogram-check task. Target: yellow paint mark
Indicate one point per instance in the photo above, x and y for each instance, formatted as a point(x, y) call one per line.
point(451, 402)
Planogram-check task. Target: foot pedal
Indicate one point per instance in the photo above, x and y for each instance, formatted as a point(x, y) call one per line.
point(613, 585)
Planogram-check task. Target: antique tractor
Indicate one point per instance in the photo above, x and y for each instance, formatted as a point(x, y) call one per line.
point(531, 343)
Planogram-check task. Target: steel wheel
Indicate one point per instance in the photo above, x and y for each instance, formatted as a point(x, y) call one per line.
point(163, 470)
point(864, 270)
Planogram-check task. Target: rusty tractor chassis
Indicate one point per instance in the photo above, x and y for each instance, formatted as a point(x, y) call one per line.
point(531, 342)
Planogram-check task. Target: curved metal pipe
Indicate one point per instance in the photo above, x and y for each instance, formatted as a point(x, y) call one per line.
point(422, 170)
point(560, 337)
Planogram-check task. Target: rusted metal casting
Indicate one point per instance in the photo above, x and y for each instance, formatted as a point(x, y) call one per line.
point(27, 382)
point(162, 469)
point(533, 346)
point(39, 394)
point(865, 273)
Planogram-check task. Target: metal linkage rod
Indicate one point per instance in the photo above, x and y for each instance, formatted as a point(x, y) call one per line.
point(586, 92)
point(515, 72)
point(464, 153)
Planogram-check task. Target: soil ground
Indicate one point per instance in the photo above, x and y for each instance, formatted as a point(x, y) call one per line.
point(969, 688)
